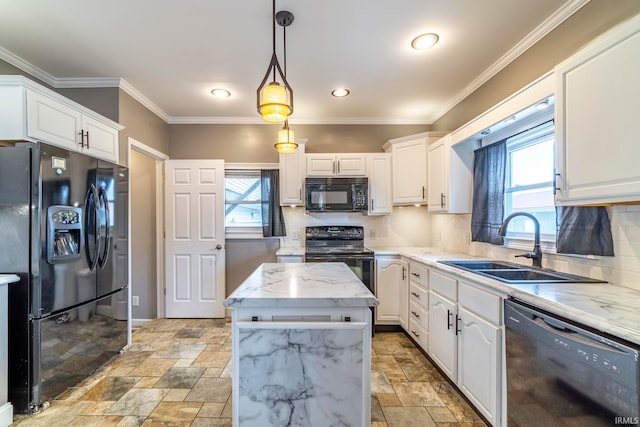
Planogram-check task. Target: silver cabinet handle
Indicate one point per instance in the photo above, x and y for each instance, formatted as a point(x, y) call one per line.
point(458, 319)
point(404, 273)
point(423, 192)
point(415, 333)
point(449, 321)
point(415, 314)
point(442, 196)
point(415, 274)
point(415, 294)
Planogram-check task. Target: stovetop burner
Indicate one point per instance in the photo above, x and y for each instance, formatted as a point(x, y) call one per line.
point(334, 240)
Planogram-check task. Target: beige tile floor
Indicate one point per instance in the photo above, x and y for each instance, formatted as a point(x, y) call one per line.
point(177, 373)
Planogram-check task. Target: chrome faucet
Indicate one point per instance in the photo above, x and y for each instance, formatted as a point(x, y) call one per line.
point(536, 254)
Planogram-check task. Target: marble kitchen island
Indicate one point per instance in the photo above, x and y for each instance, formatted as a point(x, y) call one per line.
point(301, 347)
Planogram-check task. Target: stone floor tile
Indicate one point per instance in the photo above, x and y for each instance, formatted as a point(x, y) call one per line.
point(417, 394)
point(388, 399)
point(152, 368)
point(95, 421)
point(441, 414)
point(146, 382)
point(110, 388)
point(380, 383)
point(176, 394)
point(176, 412)
point(211, 422)
point(211, 410)
point(384, 363)
point(138, 402)
point(212, 359)
point(210, 390)
point(180, 378)
point(408, 417)
point(376, 410)
point(98, 408)
point(186, 351)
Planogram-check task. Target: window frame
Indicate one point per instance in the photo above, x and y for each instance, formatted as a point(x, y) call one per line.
point(537, 134)
point(252, 232)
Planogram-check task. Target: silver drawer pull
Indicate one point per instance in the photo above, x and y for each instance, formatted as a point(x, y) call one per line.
point(415, 294)
point(415, 274)
point(415, 333)
point(415, 314)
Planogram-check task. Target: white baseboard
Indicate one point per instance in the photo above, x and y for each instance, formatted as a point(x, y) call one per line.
point(6, 415)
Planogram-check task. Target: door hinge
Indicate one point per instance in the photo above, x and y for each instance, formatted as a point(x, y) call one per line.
point(164, 234)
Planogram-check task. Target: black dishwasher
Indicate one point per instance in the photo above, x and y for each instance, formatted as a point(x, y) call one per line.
point(560, 373)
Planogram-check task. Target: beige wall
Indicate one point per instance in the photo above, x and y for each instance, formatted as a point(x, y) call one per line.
point(142, 125)
point(593, 19)
point(101, 100)
point(254, 143)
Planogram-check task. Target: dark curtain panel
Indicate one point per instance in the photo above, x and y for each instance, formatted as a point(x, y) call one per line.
point(584, 230)
point(272, 218)
point(489, 169)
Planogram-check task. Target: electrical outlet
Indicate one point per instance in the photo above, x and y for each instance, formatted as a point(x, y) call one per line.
point(135, 300)
point(294, 235)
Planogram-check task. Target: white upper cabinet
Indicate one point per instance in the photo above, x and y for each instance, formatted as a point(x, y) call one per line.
point(292, 177)
point(450, 175)
point(379, 174)
point(597, 120)
point(336, 164)
point(409, 167)
point(35, 113)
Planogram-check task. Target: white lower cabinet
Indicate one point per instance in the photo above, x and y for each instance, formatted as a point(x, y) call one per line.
point(418, 326)
point(465, 340)
point(289, 259)
point(392, 291)
point(479, 362)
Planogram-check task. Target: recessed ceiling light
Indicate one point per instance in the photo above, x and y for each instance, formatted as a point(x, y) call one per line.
point(424, 41)
point(340, 93)
point(220, 93)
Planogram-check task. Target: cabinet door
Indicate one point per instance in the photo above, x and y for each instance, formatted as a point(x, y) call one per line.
point(410, 172)
point(50, 121)
point(292, 177)
point(379, 174)
point(437, 181)
point(321, 165)
point(597, 126)
point(443, 342)
point(390, 273)
point(479, 355)
point(100, 140)
point(351, 165)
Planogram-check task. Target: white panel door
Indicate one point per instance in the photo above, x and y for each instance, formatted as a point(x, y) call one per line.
point(194, 241)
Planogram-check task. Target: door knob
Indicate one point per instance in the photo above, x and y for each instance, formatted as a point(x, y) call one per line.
point(218, 246)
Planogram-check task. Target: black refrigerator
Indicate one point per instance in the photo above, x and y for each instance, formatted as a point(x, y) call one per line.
point(64, 232)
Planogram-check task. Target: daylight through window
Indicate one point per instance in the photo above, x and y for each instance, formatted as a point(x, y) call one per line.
point(242, 199)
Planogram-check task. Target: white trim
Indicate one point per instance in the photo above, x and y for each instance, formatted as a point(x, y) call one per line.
point(297, 121)
point(86, 82)
point(251, 165)
point(138, 322)
point(6, 414)
point(20, 63)
point(159, 158)
point(531, 39)
point(146, 102)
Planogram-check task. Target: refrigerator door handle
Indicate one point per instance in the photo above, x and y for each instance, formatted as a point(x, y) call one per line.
point(103, 204)
point(91, 203)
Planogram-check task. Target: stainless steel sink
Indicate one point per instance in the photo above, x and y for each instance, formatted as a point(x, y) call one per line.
point(517, 274)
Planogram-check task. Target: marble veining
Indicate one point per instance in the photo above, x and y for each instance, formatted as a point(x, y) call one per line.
point(302, 285)
point(603, 306)
point(288, 377)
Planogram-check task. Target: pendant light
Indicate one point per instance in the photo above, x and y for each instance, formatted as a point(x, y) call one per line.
point(286, 142)
point(275, 100)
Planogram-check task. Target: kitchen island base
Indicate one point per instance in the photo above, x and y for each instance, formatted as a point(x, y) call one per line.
point(305, 359)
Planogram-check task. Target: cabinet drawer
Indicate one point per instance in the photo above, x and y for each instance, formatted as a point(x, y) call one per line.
point(419, 334)
point(444, 285)
point(418, 295)
point(419, 273)
point(418, 314)
point(482, 303)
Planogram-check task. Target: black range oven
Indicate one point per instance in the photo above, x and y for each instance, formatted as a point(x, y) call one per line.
point(341, 244)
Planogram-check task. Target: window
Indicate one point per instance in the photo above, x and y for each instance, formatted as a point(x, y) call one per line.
point(243, 211)
point(529, 182)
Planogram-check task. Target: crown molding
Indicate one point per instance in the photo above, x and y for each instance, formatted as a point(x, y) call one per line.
point(20, 63)
point(258, 121)
point(532, 38)
point(138, 96)
point(98, 82)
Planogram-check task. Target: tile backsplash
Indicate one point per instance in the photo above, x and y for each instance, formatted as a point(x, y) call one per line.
point(414, 226)
point(451, 233)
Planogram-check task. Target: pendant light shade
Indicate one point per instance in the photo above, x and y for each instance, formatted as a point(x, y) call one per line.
point(274, 104)
point(275, 100)
point(286, 142)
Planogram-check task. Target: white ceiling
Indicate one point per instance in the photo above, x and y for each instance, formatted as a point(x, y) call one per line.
point(169, 54)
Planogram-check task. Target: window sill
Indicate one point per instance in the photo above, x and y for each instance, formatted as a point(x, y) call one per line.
point(243, 233)
point(547, 246)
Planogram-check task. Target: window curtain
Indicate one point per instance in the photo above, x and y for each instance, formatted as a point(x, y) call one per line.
point(584, 230)
point(272, 217)
point(487, 213)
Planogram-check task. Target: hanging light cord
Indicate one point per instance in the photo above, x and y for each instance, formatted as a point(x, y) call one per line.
point(273, 23)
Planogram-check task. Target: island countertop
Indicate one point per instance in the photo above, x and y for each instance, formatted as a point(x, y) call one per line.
point(302, 285)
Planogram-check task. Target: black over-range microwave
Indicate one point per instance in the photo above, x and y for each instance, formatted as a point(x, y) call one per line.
point(336, 194)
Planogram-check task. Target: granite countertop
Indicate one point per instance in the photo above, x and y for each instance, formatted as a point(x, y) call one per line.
point(606, 307)
point(302, 285)
point(8, 278)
